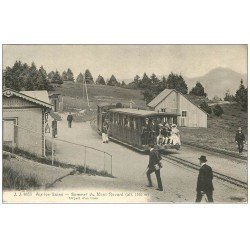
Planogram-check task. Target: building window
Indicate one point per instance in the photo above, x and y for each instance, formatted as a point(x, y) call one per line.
point(184, 114)
point(46, 117)
point(163, 110)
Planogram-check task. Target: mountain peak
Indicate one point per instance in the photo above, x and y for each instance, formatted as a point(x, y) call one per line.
point(218, 80)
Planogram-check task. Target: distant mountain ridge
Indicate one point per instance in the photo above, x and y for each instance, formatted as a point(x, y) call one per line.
point(216, 82)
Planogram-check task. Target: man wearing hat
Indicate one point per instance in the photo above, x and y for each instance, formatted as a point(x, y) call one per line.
point(154, 165)
point(204, 182)
point(240, 139)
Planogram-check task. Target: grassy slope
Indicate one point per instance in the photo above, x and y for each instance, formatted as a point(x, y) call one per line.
point(74, 97)
point(221, 130)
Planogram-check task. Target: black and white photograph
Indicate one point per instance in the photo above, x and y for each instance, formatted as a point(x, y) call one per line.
point(125, 123)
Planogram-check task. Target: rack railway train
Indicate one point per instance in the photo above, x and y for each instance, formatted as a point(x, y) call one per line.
point(126, 126)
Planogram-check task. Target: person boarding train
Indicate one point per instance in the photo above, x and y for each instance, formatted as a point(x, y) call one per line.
point(154, 166)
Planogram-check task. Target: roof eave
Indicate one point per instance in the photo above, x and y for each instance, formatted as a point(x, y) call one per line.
point(29, 98)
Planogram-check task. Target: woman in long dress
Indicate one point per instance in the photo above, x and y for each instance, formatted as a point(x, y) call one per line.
point(175, 135)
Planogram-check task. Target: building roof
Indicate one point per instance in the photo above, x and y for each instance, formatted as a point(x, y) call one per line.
point(160, 97)
point(42, 101)
point(41, 95)
point(55, 116)
point(139, 112)
point(54, 94)
point(165, 93)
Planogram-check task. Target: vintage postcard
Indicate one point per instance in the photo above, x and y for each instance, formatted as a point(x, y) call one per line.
point(124, 123)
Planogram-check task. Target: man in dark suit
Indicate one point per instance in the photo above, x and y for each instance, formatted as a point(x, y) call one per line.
point(240, 139)
point(204, 183)
point(154, 165)
point(70, 119)
point(145, 132)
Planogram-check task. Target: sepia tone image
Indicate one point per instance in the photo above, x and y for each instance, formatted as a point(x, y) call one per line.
point(125, 124)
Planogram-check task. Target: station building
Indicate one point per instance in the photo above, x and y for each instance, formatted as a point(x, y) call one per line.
point(170, 100)
point(24, 116)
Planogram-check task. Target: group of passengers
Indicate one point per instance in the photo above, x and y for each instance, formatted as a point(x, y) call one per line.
point(160, 133)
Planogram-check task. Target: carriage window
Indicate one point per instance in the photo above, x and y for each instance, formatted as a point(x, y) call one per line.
point(184, 114)
point(135, 123)
point(111, 117)
point(126, 121)
point(131, 122)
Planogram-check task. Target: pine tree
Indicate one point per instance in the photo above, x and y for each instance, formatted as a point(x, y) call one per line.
point(218, 110)
point(42, 81)
point(148, 95)
point(177, 82)
point(112, 81)
point(70, 75)
point(198, 90)
point(88, 77)
point(228, 97)
point(100, 80)
point(205, 107)
point(57, 79)
point(64, 76)
point(241, 96)
point(43, 72)
point(145, 82)
point(51, 75)
point(79, 78)
point(32, 80)
point(24, 77)
point(123, 84)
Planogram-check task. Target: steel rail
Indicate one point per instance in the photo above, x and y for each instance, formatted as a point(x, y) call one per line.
point(216, 174)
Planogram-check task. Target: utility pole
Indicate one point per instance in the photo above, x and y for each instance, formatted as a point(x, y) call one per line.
point(3, 80)
point(84, 84)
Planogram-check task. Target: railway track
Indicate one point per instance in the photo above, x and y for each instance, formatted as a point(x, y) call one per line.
point(220, 176)
point(188, 164)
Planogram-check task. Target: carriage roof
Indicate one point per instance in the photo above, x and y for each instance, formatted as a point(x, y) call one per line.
point(141, 113)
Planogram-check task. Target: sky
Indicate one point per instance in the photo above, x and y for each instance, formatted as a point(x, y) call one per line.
point(126, 61)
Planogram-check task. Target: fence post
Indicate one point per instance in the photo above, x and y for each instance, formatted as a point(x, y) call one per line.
point(85, 155)
point(52, 151)
point(111, 164)
point(104, 160)
point(12, 145)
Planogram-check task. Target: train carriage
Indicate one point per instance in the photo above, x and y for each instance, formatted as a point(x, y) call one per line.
point(126, 125)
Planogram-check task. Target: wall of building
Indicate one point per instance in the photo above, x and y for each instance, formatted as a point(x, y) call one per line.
point(195, 117)
point(170, 103)
point(29, 119)
point(176, 102)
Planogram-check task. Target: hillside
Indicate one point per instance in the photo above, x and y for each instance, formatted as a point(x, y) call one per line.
point(74, 95)
point(218, 81)
point(220, 132)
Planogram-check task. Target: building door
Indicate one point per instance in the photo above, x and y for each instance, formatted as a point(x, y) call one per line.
point(183, 118)
point(9, 131)
point(55, 105)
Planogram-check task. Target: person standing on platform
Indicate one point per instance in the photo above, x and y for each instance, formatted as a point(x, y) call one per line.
point(105, 128)
point(152, 133)
point(204, 182)
point(240, 139)
point(145, 132)
point(70, 119)
point(154, 166)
